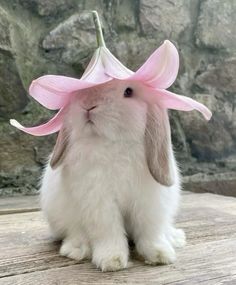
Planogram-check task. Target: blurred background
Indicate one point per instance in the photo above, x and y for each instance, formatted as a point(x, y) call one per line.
point(40, 37)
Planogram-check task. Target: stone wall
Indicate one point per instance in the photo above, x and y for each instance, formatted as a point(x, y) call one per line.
point(57, 37)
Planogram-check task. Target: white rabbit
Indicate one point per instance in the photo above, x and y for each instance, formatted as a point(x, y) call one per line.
point(113, 177)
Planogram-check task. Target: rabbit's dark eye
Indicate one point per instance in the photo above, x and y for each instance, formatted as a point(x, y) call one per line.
point(128, 92)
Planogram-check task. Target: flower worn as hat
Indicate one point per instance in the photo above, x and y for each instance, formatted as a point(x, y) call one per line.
point(156, 75)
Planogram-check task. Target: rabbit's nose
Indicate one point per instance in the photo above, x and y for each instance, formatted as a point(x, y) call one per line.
point(91, 108)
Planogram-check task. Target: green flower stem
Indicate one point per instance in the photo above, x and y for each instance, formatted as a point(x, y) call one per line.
point(98, 27)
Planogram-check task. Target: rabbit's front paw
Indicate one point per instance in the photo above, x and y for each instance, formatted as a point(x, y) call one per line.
point(77, 251)
point(114, 263)
point(176, 237)
point(110, 259)
point(157, 253)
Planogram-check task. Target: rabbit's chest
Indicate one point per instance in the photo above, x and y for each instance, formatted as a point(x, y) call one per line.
point(107, 170)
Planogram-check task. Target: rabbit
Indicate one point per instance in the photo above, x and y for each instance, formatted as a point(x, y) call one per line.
point(112, 177)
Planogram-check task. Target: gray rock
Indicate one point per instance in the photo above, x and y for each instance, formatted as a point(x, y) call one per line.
point(132, 50)
point(12, 98)
point(124, 15)
point(216, 24)
point(5, 42)
point(48, 7)
point(223, 184)
point(208, 140)
point(22, 156)
point(164, 19)
point(181, 146)
point(220, 77)
point(75, 38)
point(233, 125)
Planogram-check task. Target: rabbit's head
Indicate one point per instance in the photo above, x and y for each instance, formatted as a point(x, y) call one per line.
point(116, 111)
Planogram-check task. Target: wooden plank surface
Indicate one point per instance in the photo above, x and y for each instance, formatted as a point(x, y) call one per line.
point(28, 255)
point(18, 204)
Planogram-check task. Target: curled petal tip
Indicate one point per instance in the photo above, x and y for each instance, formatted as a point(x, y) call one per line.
point(50, 127)
point(14, 123)
point(161, 68)
point(208, 115)
point(170, 47)
point(173, 101)
point(167, 42)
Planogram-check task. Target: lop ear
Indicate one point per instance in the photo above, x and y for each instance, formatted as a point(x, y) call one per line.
point(158, 145)
point(59, 149)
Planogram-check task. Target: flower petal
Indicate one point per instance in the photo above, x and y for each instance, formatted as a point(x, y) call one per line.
point(171, 100)
point(161, 68)
point(95, 71)
point(53, 91)
point(104, 66)
point(113, 67)
point(48, 128)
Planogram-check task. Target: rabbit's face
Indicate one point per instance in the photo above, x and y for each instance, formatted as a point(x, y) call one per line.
point(118, 112)
point(113, 110)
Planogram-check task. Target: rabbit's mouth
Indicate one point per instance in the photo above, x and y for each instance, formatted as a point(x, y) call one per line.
point(90, 122)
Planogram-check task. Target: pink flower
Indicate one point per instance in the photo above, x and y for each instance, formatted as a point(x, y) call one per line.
point(156, 75)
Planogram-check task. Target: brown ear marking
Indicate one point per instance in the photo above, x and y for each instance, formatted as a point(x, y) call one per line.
point(59, 149)
point(158, 145)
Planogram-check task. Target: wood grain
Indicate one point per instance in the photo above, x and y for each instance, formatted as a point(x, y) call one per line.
point(195, 265)
point(29, 256)
point(21, 204)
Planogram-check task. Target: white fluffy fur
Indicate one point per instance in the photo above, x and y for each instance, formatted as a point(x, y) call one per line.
point(103, 192)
